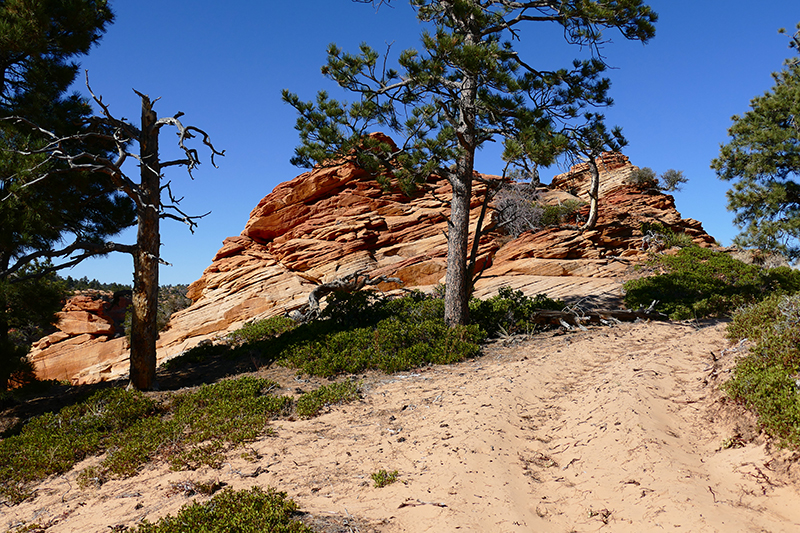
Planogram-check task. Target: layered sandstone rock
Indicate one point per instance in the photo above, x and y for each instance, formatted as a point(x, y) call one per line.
point(330, 222)
point(88, 341)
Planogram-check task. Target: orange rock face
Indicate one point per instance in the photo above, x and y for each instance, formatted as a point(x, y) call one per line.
point(330, 222)
point(84, 338)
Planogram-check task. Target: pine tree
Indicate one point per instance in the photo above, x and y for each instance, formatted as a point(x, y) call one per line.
point(43, 224)
point(763, 160)
point(466, 86)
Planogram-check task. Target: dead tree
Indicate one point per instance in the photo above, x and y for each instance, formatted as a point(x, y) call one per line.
point(147, 196)
point(348, 284)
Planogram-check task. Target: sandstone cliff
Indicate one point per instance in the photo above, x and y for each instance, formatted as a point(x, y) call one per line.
point(333, 221)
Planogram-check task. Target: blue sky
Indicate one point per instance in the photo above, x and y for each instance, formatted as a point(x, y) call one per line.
point(224, 64)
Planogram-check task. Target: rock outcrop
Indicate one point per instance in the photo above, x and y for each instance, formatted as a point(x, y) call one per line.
point(333, 221)
point(88, 343)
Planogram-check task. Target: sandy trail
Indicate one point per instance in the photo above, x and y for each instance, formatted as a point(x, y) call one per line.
point(614, 429)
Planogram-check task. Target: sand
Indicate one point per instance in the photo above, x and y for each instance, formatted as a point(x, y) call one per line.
point(619, 429)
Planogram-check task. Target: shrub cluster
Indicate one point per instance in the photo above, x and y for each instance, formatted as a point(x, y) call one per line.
point(645, 177)
point(510, 312)
point(189, 429)
point(767, 380)
point(383, 478)
point(52, 443)
point(698, 282)
point(558, 214)
point(243, 511)
point(367, 331)
point(658, 236)
point(360, 332)
point(311, 403)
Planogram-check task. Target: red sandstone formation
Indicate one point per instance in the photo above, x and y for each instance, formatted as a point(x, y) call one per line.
point(88, 336)
point(333, 221)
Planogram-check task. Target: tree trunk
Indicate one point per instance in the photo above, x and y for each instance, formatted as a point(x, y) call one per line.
point(146, 258)
point(594, 192)
point(456, 297)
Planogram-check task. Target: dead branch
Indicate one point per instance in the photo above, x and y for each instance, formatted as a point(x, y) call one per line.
point(351, 283)
point(571, 319)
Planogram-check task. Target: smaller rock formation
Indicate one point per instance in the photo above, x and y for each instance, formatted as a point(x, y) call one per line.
point(88, 332)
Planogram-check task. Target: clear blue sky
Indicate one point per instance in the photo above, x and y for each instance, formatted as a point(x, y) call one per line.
point(224, 65)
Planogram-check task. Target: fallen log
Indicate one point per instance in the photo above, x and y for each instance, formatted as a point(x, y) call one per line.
point(572, 319)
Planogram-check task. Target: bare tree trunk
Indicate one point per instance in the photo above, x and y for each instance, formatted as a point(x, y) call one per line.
point(594, 192)
point(146, 257)
point(456, 298)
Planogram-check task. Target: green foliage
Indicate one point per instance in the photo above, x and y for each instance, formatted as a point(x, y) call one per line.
point(311, 403)
point(261, 330)
point(762, 161)
point(39, 42)
point(253, 511)
point(171, 299)
point(85, 283)
point(383, 478)
point(199, 354)
point(698, 282)
point(555, 215)
point(645, 177)
point(358, 332)
point(190, 429)
point(672, 180)
point(664, 237)
point(27, 313)
point(394, 344)
point(510, 311)
point(768, 379)
point(52, 443)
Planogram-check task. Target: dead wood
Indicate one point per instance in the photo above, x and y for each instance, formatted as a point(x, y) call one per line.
point(351, 283)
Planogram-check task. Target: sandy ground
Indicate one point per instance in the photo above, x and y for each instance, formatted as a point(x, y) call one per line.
point(617, 429)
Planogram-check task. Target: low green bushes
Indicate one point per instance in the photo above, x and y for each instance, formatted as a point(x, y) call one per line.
point(243, 511)
point(510, 312)
point(189, 429)
point(558, 214)
point(311, 403)
point(53, 443)
point(698, 282)
point(767, 380)
point(366, 331)
point(383, 478)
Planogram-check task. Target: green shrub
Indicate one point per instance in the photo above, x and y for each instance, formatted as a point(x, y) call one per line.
point(655, 231)
point(698, 282)
point(197, 355)
point(311, 403)
point(261, 330)
point(383, 478)
point(767, 380)
point(243, 511)
point(509, 311)
point(394, 344)
point(192, 428)
point(230, 412)
point(555, 215)
point(53, 443)
point(643, 177)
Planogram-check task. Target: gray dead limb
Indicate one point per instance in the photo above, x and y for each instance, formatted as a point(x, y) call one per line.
point(351, 283)
point(571, 318)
